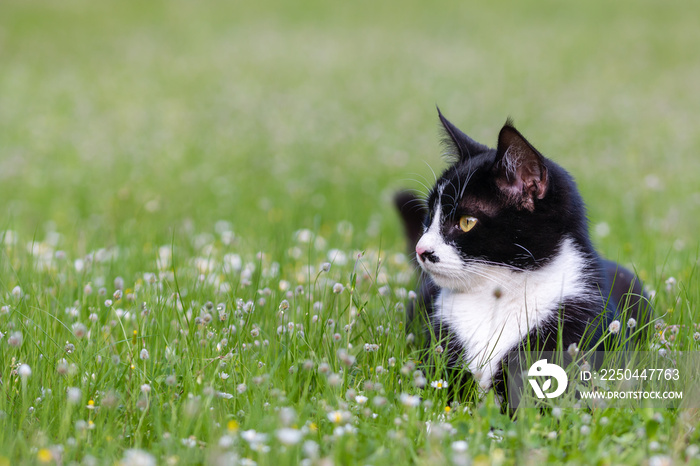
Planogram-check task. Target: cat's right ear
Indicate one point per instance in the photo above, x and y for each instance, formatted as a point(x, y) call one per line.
point(459, 144)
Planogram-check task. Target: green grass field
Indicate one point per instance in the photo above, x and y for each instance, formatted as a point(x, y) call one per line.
point(200, 259)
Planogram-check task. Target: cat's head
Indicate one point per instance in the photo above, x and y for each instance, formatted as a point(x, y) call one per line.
point(494, 209)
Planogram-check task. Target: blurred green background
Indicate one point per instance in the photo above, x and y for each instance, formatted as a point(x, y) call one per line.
point(125, 122)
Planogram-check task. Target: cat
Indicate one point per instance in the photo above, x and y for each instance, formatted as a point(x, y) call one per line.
point(502, 240)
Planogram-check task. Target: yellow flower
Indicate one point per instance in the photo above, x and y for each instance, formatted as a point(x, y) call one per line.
point(44, 455)
point(232, 425)
point(447, 409)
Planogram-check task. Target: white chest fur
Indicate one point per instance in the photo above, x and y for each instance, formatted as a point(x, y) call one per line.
point(504, 305)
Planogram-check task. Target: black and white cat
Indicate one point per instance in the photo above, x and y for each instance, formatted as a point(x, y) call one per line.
point(503, 241)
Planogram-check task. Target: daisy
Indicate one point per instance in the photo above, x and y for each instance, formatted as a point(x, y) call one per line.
point(439, 384)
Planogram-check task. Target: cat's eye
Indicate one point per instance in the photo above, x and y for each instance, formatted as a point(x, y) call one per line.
point(466, 223)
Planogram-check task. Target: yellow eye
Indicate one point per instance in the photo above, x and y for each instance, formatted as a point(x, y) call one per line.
point(467, 223)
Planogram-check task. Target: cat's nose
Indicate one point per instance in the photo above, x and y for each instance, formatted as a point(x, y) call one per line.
point(426, 255)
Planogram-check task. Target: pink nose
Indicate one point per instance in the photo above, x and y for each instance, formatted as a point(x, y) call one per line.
point(426, 255)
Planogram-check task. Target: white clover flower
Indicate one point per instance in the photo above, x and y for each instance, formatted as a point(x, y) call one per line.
point(338, 288)
point(241, 388)
point(79, 330)
point(24, 371)
point(74, 395)
point(346, 358)
point(144, 354)
point(255, 439)
point(119, 283)
point(410, 401)
point(289, 436)
point(572, 350)
point(371, 347)
point(310, 449)
point(145, 388)
point(439, 384)
point(460, 446)
point(602, 230)
point(334, 380)
point(670, 284)
point(15, 339)
point(336, 256)
point(379, 401)
point(346, 429)
point(420, 381)
point(189, 442)
point(614, 326)
point(287, 416)
point(136, 457)
point(226, 441)
point(17, 292)
point(304, 236)
point(631, 323)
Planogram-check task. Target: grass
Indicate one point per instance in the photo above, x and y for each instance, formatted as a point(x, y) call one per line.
point(197, 164)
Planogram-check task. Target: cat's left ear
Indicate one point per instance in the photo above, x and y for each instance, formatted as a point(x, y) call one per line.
point(519, 169)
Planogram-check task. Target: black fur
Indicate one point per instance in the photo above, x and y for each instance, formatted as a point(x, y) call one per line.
point(525, 205)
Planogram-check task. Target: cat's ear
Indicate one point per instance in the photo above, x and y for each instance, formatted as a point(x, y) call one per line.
point(519, 169)
point(459, 144)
